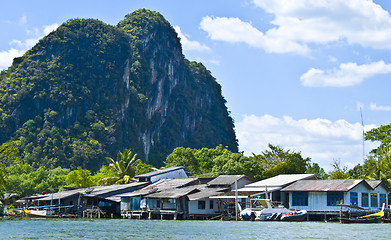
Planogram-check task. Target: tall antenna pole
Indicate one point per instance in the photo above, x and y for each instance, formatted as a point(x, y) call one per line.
point(363, 142)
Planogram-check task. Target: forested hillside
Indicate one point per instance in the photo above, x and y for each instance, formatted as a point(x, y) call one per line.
point(89, 90)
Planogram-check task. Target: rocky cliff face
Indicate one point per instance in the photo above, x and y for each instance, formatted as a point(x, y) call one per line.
point(88, 90)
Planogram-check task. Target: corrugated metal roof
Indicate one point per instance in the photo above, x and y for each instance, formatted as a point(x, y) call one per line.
point(178, 182)
point(226, 180)
point(335, 185)
point(281, 180)
point(138, 193)
point(206, 192)
point(61, 195)
point(376, 183)
point(102, 190)
point(91, 191)
point(174, 193)
point(158, 172)
point(161, 185)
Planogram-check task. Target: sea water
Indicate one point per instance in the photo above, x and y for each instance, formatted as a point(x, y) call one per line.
point(170, 229)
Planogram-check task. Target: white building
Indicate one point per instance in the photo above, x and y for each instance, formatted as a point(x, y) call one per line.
point(202, 206)
point(327, 195)
point(273, 186)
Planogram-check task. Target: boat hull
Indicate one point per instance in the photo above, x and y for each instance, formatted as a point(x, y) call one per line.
point(294, 216)
point(41, 214)
point(360, 220)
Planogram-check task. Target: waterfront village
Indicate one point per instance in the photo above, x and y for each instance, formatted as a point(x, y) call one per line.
point(171, 194)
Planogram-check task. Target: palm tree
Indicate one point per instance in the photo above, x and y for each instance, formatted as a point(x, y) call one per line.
point(124, 167)
point(379, 167)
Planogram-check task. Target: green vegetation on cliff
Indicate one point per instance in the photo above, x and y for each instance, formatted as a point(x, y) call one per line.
point(89, 90)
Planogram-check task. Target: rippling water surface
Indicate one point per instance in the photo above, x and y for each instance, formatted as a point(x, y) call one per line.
point(169, 229)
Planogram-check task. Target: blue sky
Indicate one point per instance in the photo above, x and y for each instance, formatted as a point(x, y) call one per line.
point(294, 73)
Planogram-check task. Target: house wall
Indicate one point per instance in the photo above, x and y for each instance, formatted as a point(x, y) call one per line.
point(125, 203)
point(193, 206)
point(152, 203)
point(130, 203)
point(381, 190)
point(169, 204)
point(180, 173)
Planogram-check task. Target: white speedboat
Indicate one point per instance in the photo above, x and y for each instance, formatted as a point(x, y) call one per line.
point(262, 210)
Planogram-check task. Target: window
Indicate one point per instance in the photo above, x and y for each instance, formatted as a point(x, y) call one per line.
point(210, 204)
point(334, 198)
point(383, 199)
point(374, 202)
point(364, 200)
point(354, 199)
point(201, 204)
point(299, 198)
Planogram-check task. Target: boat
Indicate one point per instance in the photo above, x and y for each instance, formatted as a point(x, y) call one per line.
point(264, 209)
point(370, 218)
point(360, 220)
point(41, 212)
point(294, 216)
point(52, 211)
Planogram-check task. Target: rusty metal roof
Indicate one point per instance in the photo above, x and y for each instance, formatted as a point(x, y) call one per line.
point(174, 193)
point(224, 180)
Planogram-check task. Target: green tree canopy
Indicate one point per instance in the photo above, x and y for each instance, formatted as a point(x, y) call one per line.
point(277, 161)
point(26, 180)
point(381, 134)
point(219, 161)
point(378, 165)
point(9, 153)
point(79, 178)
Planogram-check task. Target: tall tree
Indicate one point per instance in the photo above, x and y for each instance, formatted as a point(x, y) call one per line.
point(125, 165)
point(338, 172)
point(378, 165)
point(314, 168)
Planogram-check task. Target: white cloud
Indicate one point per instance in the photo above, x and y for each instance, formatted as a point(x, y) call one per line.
point(20, 47)
point(234, 30)
point(49, 28)
point(189, 45)
point(320, 139)
point(374, 107)
point(348, 74)
point(6, 57)
point(302, 22)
